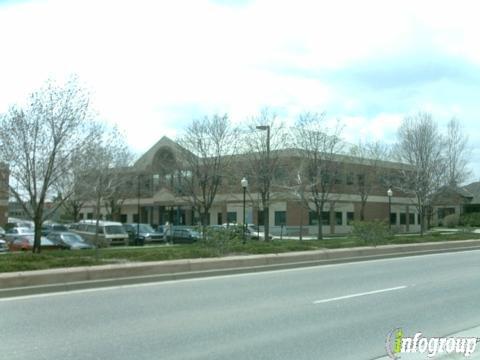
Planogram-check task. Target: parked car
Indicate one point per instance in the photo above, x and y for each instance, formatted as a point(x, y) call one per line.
point(3, 246)
point(13, 223)
point(25, 242)
point(47, 228)
point(146, 234)
point(253, 232)
point(14, 232)
point(109, 232)
point(69, 240)
point(184, 235)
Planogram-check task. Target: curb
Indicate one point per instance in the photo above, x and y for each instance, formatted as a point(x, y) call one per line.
point(67, 279)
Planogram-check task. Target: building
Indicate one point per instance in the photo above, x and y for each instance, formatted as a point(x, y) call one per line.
point(4, 192)
point(154, 194)
point(457, 200)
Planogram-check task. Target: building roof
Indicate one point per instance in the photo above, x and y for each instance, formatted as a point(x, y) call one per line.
point(147, 160)
point(473, 190)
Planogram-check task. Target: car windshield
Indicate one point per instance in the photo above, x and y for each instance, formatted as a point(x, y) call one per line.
point(20, 230)
point(145, 228)
point(194, 233)
point(71, 239)
point(59, 228)
point(114, 229)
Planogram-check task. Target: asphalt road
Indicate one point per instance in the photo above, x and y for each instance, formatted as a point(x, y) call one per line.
point(342, 311)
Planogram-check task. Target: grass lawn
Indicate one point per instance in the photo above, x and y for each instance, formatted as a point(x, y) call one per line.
point(17, 261)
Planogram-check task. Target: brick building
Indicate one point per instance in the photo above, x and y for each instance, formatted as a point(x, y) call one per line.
point(154, 194)
point(4, 178)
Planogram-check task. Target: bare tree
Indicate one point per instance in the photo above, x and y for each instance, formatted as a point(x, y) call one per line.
point(456, 154)
point(209, 143)
point(319, 147)
point(106, 171)
point(265, 137)
point(369, 156)
point(420, 146)
point(72, 191)
point(37, 142)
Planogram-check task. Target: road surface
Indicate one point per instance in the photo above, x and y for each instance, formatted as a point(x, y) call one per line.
point(342, 311)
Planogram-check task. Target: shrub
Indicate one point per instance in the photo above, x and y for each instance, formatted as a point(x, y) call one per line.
point(220, 240)
point(451, 220)
point(371, 232)
point(470, 220)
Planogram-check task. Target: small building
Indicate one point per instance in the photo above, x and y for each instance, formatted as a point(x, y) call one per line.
point(456, 200)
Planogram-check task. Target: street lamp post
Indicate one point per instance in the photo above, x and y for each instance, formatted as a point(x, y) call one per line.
point(137, 235)
point(244, 183)
point(390, 194)
point(266, 209)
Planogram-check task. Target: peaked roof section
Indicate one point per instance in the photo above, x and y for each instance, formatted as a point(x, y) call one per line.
point(473, 190)
point(146, 160)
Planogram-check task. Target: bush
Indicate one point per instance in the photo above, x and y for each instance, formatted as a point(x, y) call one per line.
point(221, 240)
point(371, 232)
point(451, 220)
point(470, 220)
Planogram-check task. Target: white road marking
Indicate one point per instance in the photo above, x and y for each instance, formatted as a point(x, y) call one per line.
point(359, 294)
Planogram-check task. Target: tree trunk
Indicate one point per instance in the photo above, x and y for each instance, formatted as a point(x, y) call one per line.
point(320, 230)
point(37, 248)
point(266, 221)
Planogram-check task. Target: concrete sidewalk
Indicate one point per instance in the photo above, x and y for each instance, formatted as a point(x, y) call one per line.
point(64, 279)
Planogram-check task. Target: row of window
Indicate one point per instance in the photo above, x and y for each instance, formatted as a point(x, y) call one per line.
point(280, 218)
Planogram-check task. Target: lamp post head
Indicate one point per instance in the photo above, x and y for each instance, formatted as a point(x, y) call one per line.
point(389, 192)
point(262, 127)
point(244, 183)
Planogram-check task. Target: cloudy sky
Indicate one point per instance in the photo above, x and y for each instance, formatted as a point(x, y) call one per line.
point(152, 66)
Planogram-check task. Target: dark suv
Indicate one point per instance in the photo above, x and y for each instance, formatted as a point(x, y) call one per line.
point(184, 235)
point(146, 234)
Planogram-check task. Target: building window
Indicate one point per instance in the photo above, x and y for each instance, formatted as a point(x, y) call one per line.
point(338, 218)
point(123, 218)
point(325, 217)
point(338, 179)
point(411, 218)
point(442, 212)
point(361, 179)
point(403, 219)
point(350, 178)
point(219, 218)
point(313, 219)
point(280, 218)
point(350, 217)
point(89, 216)
point(260, 216)
point(393, 218)
point(232, 217)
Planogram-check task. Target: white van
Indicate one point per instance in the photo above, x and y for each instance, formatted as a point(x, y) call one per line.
point(109, 232)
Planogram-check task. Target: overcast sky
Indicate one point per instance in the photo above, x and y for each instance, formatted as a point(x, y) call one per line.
point(153, 66)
